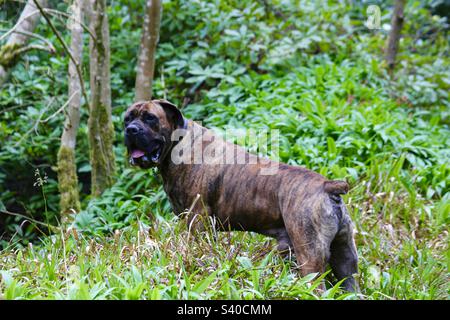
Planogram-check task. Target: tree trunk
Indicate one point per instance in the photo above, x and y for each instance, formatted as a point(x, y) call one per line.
point(394, 35)
point(147, 51)
point(67, 170)
point(100, 126)
point(27, 22)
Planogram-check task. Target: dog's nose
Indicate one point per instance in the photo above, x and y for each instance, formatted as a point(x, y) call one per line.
point(132, 130)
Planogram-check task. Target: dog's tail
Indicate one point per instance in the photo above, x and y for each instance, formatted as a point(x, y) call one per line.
point(335, 187)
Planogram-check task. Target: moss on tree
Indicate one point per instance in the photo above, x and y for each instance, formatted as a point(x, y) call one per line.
point(9, 54)
point(101, 137)
point(67, 181)
point(100, 126)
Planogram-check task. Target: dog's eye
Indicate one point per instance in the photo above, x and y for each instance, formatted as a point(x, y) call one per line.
point(127, 119)
point(150, 118)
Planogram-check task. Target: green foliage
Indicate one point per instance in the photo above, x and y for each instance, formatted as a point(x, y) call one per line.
point(331, 123)
point(135, 196)
point(311, 70)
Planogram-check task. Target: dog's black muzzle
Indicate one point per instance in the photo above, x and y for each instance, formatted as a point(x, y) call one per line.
point(144, 150)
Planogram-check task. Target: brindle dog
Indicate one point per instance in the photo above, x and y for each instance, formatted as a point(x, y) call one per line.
point(298, 207)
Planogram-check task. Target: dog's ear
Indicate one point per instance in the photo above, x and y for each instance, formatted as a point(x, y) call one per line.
point(172, 112)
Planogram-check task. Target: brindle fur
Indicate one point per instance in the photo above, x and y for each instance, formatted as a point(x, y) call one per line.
point(298, 207)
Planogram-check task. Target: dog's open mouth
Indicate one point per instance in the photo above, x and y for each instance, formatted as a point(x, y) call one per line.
point(145, 158)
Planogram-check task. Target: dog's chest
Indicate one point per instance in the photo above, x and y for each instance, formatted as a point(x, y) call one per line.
point(182, 187)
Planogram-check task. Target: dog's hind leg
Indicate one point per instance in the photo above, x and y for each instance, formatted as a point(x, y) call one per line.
point(311, 251)
point(344, 257)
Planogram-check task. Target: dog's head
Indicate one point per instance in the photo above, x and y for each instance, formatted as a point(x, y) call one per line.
point(148, 129)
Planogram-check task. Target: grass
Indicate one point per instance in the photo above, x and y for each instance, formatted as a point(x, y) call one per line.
point(157, 261)
point(154, 257)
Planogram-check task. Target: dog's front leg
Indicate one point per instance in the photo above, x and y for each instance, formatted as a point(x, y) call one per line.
point(198, 216)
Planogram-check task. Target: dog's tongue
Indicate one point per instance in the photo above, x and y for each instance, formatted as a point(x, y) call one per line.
point(136, 154)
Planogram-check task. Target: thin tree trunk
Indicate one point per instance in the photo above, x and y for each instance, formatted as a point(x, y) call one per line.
point(394, 35)
point(147, 51)
point(67, 170)
point(100, 126)
point(27, 22)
